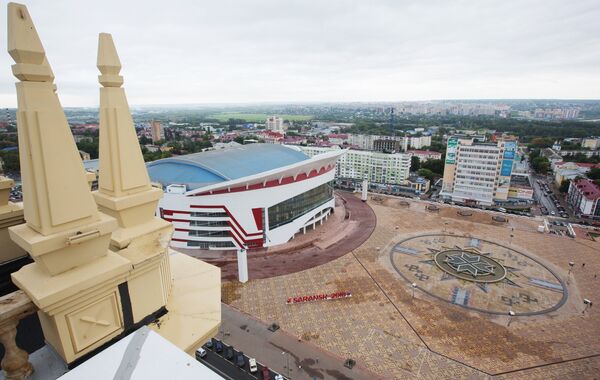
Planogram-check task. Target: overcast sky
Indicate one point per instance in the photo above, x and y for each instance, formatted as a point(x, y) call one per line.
point(222, 51)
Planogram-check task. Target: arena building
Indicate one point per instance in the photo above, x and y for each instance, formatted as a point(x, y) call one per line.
point(246, 197)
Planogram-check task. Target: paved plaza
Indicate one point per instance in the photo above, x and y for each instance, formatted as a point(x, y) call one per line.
point(469, 271)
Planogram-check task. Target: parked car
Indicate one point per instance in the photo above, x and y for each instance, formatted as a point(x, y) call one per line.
point(200, 353)
point(229, 353)
point(240, 361)
point(209, 344)
point(278, 377)
point(252, 365)
point(219, 346)
point(266, 374)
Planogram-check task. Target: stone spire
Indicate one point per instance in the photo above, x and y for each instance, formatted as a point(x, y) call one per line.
point(124, 189)
point(59, 209)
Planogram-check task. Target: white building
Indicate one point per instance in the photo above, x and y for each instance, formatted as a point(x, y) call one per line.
point(425, 155)
point(478, 173)
point(251, 196)
point(418, 142)
point(591, 143)
point(275, 123)
point(584, 197)
point(400, 143)
point(376, 167)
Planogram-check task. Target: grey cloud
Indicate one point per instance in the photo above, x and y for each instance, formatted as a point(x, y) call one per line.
point(273, 50)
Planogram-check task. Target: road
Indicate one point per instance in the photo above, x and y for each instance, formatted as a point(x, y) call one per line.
point(277, 349)
point(543, 200)
point(225, 368)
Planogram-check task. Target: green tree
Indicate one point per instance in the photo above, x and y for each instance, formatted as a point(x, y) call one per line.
point(540, 164)
point(11, 160)
point(594, 174)
point(541, 142)
point(436, 166)
point(415, 163)
point(427, 174)
point(564, 186)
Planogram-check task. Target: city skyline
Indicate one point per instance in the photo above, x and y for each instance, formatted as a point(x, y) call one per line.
point(267, 52)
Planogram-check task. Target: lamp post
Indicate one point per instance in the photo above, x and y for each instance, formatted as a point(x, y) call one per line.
point(414, 286)
point(511, 314)
point(587, 304)
point(571, 264)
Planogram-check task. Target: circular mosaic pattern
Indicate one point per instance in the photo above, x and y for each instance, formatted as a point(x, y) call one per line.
point(478, 274)
point(470, 265)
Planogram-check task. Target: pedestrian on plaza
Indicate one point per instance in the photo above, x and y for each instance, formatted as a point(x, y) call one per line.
point(582, 265)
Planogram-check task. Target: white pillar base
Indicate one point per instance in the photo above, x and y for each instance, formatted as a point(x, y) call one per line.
point(242, 259)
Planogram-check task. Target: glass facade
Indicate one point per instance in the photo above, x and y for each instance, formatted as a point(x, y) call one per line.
point(209, 214)
point(286, 211)
point(208, 244)
point(208, 223)
point(210, 233)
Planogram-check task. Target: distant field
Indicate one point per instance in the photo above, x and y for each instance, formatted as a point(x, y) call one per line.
point(255, 117)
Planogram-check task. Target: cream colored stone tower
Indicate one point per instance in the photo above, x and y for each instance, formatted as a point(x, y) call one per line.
point(75, 280)
point(97, 274)
point(125, 193)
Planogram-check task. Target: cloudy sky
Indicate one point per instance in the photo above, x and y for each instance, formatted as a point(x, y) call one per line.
point(224, 51)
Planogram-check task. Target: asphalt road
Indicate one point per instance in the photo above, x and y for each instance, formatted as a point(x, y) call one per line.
point(543, 200)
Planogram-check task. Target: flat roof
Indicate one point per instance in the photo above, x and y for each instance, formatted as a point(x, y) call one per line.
point(201, 169)
point(142, 355)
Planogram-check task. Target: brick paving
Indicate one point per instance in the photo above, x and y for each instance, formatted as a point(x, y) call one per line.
point(395, 335)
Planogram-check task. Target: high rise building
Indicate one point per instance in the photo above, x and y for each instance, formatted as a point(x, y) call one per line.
point(275, 123)
point(158, 132)
point(376, 167)
point(476, 172)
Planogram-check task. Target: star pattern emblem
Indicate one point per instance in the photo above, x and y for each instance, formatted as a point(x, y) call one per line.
point(472, 264)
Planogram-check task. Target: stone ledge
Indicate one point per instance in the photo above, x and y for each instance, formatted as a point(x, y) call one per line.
point(194, 304)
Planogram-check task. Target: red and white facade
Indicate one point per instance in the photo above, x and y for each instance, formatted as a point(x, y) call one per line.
point(234, 215)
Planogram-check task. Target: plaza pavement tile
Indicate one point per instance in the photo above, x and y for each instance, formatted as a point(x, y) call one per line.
point(394, 335)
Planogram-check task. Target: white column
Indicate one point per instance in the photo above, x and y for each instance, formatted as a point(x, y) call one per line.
point(365, 188)
point(242, 259)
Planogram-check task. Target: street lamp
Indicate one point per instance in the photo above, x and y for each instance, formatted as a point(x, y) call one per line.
point(587, 304)
point(288, 362)
point(414, 286)
point(511, 314)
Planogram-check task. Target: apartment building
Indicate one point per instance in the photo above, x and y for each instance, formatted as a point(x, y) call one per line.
point(389, 143)
point(476, 172)
point(584, 197)
point(376, 167)
point(157, 130)
point(275, 123)
point(591, 143)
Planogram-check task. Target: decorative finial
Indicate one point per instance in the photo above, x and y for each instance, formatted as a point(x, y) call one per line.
point(25, 47)
point(108, 62)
